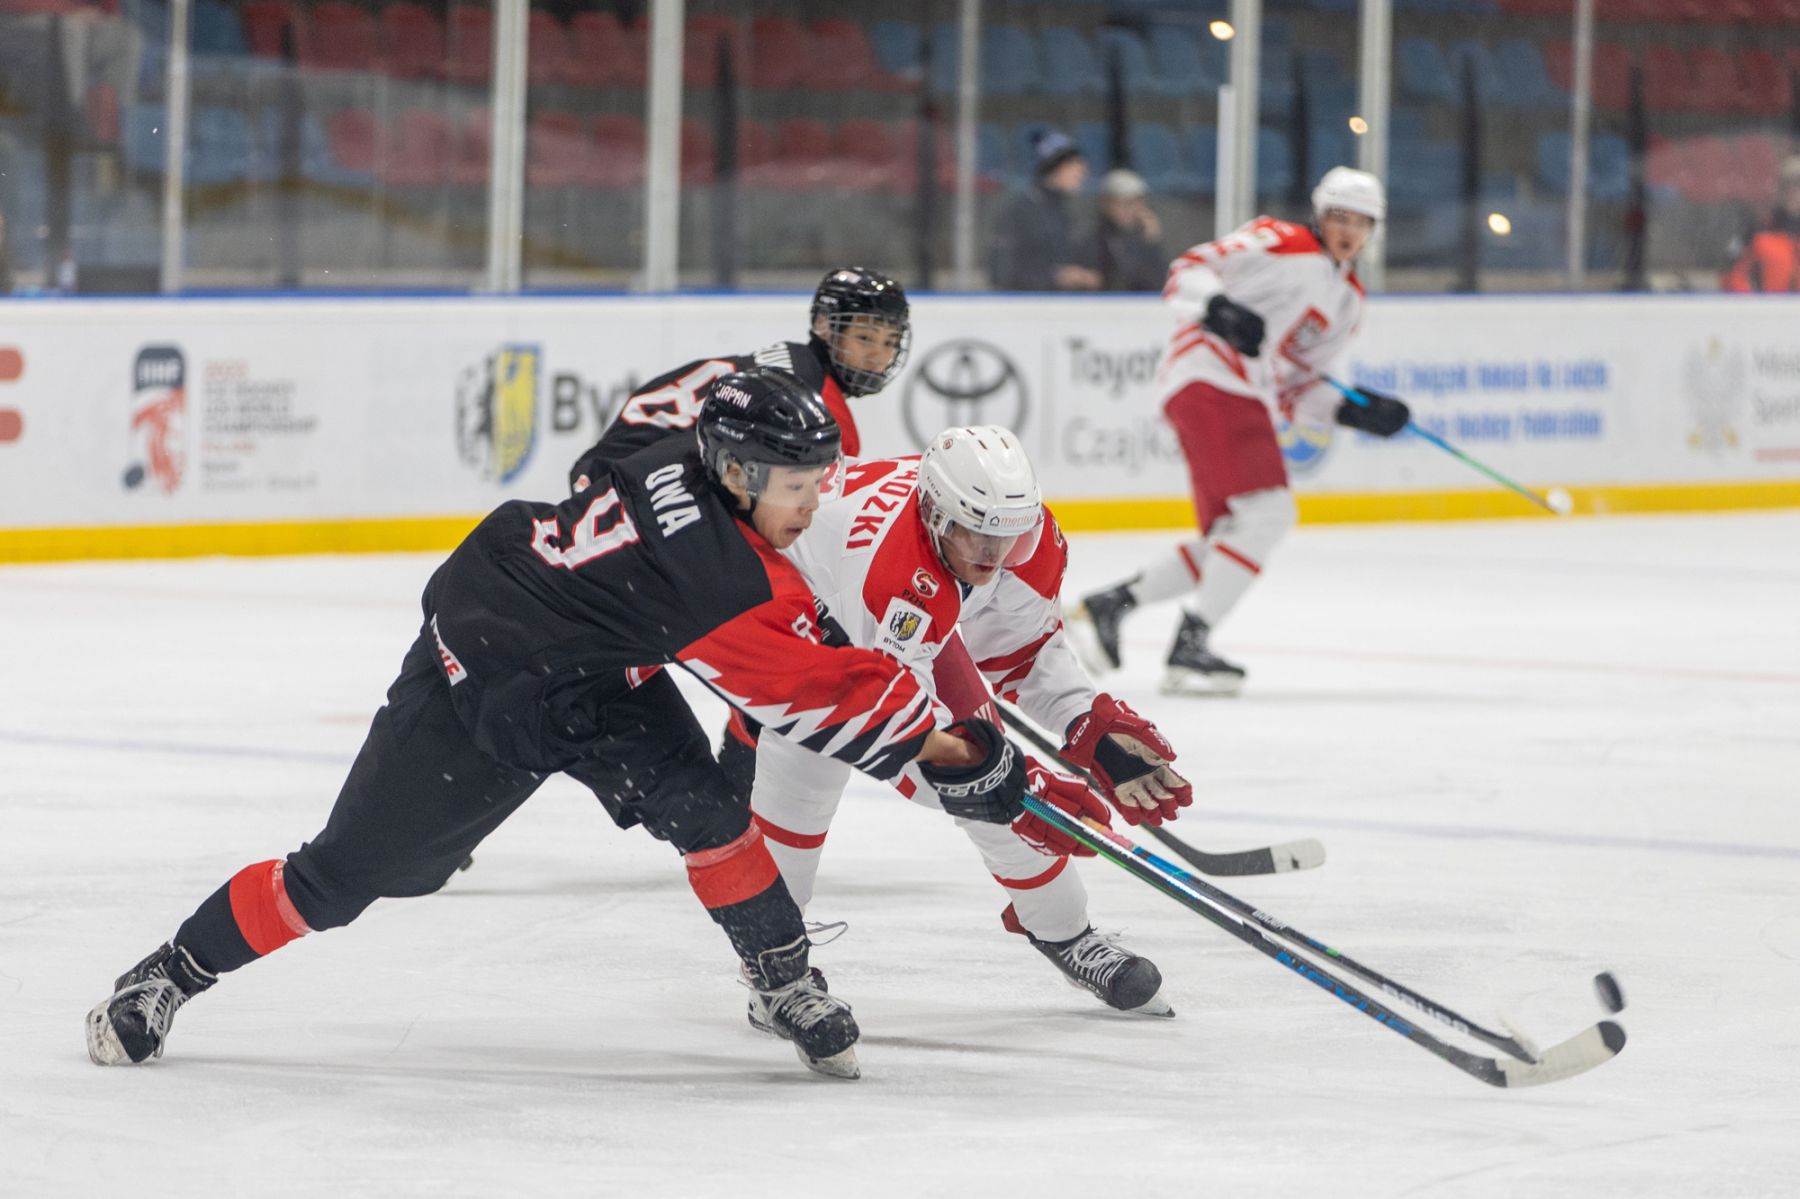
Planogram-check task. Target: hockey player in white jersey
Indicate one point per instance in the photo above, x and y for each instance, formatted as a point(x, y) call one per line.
point(914, 549)
point(1263, 314)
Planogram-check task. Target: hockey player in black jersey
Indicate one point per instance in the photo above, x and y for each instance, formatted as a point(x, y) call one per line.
point(861, 330)
point(542, 649)
point(860, 334)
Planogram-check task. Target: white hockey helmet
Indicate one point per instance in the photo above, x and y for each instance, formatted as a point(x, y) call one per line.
point(979, 499)
point(1350, 190)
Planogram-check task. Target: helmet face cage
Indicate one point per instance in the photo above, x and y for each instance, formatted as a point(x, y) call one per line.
point(843, 297)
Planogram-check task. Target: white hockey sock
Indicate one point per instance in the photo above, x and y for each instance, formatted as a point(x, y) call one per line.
point(1172, 574)
point(1225, 574)
point(1237, 546)
point(1055, 910)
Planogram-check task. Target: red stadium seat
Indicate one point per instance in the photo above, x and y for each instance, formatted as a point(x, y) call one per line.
point(701, 45)
point(471, 58)
point(548, 54)
point(341, 37)
point(412, 41)
point(558, 152)
point(418, 149)
point(1756, 163)
point(844, 60)
point(1612, 72)
point(103, 113)
point(606, 53)
point(618, 151)
point(1668, 80)
point(1715, 82)
point(350, 134)
point(1765, 82)
point(698, 164)
point(782, 54)
point(474, 149)
point(265, 23)
point(803, 155)
point(1710, 170)
point(868, 157)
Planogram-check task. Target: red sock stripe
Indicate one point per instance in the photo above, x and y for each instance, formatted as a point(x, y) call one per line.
point(1187, 560)
point(1242, 561)
point(265, 915)
point(732, 873)
point(1036, 880)
point(787, 836)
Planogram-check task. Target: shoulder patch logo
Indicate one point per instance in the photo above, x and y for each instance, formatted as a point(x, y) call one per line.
point(903, 625)
point(924, 583)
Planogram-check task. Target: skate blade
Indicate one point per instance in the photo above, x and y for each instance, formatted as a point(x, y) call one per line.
point(1079, 632)
point(1178, 680)
point(1156, 1005)
point(838, 1065)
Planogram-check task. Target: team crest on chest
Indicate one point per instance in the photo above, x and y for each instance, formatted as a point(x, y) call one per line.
point(903, 624)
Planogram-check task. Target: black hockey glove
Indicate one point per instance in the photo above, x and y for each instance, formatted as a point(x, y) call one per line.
point(991, 790)
point(1238, 325)
point(1384, 415)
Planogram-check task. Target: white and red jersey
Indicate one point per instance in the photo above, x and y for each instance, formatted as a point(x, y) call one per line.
point(870, 561)
point(1310, 305)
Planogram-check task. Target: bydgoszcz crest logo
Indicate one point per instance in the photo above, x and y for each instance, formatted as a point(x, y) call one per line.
point(158, 419)
point(496, 412)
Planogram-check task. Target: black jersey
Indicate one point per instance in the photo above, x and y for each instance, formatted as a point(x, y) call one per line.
point(546, 612)
point(672, 402)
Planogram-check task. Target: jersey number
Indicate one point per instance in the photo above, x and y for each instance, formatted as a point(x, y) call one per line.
point(676, 406)
point(594, 536)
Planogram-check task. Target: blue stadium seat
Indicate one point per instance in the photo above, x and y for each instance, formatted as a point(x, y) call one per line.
point(1095, 140)
point(1274, 163)
point(1134, 62)
point(218, 30)
point(1519, 64)
point(1070, 67)
point(222, 148)
point(1009, 61)
point(1424, 173)
point(993, 158)
point(1184, 62)
point(1156, 155)
point(899, 46)
point(143, 139)
point(1609, 165)
point(1423, 70)
point(1203, 157)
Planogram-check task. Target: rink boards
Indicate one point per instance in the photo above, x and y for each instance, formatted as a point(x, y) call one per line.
point(149, 427)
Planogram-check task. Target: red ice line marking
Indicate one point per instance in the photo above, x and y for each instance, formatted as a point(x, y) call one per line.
point(1730, 676)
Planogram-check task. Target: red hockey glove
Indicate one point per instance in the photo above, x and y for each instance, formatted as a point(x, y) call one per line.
point(1069, 795)
point(1130, 759)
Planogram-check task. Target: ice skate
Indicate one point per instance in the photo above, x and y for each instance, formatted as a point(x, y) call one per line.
point(799, 1009)
point(1193, 669)
point(1096, 962)
point(1093, 626)
point(132, 1025)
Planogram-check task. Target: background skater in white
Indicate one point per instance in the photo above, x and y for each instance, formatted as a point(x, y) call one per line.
point(1264, 313)
point(915, 548)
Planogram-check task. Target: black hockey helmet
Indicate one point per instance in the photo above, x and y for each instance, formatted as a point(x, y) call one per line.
point(850, 292)
point(760, 418)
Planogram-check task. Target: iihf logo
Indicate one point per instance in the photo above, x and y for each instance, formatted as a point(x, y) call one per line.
point(158, 419)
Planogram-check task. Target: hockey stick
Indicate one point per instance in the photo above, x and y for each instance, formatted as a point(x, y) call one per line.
point(1270, 859)
point(1585, 1050)
point(1557, 502)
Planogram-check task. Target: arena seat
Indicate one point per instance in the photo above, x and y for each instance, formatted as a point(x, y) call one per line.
point(266, 22)
point(417, 149)
point(412, 41)
point(471, 44)
point(618, 151)
point(558, 151)
point(340, 37)
point(549, 54)
point(605, 52)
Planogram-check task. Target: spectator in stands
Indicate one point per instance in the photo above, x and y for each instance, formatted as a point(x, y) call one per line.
point(1126, 246)
point(1771, 259)
point(1034, 246)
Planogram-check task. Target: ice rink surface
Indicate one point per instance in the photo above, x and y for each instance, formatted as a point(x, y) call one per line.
point(1534, 749)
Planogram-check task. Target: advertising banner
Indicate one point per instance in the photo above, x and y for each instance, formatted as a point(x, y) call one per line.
point(145, 413)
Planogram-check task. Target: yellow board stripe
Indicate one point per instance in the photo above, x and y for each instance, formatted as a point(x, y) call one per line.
point(391, 535)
